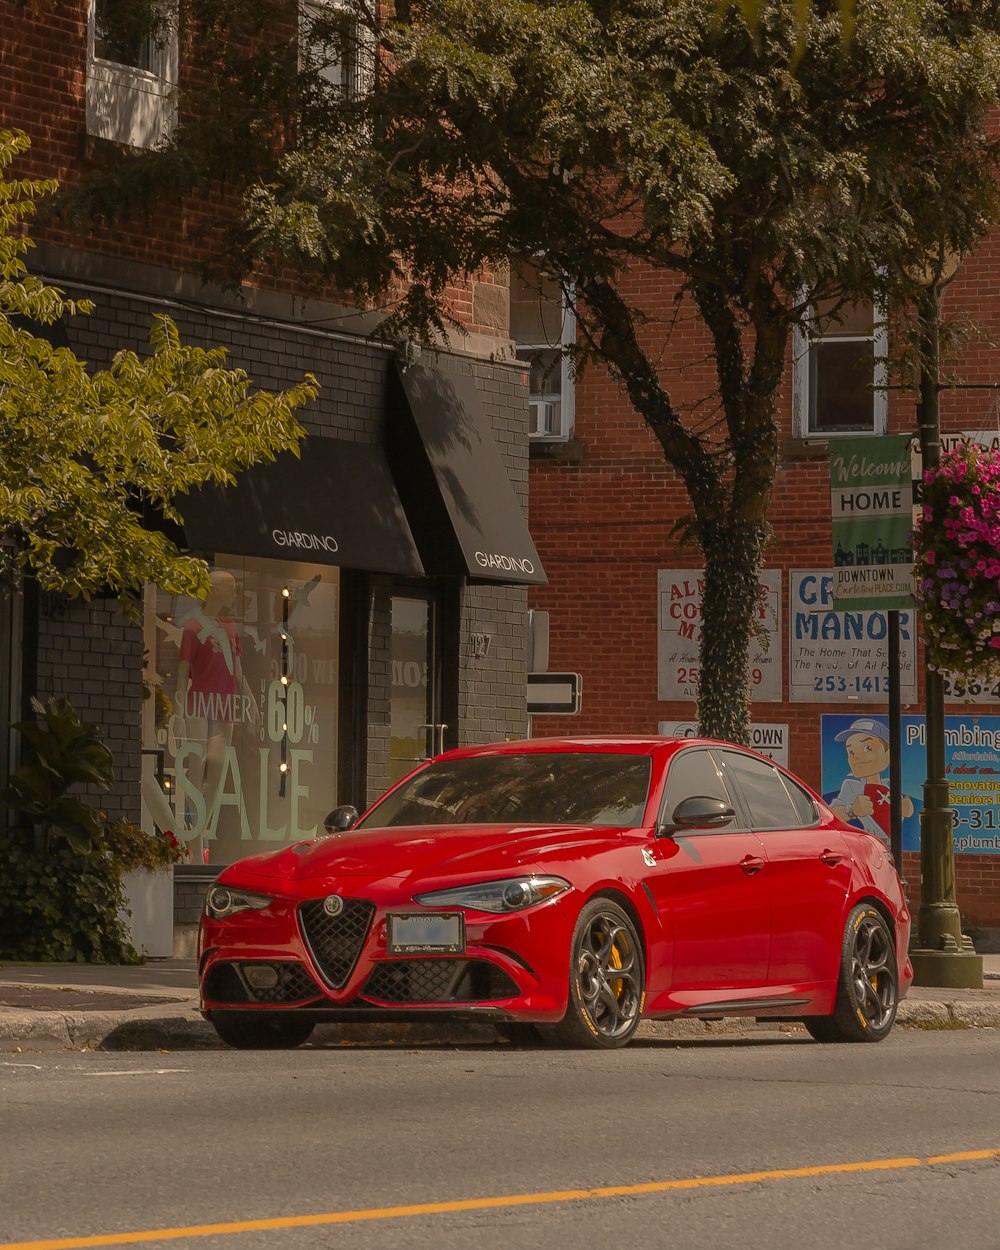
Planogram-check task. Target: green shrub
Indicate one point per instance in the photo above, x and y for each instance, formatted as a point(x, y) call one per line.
point(60, 879)
point(62, 905)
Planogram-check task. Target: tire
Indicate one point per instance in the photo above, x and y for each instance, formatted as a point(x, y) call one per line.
point(606, 980)
point(868, 987)
point(260, 1030)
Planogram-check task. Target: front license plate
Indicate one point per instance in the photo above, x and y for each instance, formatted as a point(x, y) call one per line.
point(433, 931)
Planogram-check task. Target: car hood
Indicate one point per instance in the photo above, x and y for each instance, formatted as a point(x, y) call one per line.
point(404, 853)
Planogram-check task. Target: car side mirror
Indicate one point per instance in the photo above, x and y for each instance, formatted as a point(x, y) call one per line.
point(697, 812)
point(341, 819)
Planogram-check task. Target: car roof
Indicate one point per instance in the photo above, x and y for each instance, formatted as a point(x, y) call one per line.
point(633, 744)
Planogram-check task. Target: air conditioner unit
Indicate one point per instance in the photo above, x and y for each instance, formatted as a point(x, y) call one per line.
point(545, 419)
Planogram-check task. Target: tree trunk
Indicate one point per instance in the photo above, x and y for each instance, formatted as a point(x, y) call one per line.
point(730, 607)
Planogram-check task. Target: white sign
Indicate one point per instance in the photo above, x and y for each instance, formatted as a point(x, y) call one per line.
point(842, 657)
point(770, 740)
point(679, 636)
point(554, 694)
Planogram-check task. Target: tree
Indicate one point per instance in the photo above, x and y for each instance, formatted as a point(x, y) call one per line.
point(759, 157)
point(83, 453)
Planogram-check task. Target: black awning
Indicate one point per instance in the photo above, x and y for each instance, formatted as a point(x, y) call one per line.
point(453, 482)
point(336, 503)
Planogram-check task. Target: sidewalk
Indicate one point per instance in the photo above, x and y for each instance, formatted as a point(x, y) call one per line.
point(155, 1007)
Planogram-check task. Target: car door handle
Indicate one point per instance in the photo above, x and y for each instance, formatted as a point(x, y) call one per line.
point(751, 864)
point(832, 858)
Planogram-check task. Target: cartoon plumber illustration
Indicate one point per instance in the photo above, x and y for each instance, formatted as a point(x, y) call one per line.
point(864, 797)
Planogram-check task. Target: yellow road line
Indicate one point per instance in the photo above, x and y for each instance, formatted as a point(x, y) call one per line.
point(485, 1204)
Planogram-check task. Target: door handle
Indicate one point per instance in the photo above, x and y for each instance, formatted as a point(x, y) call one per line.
point(437, 729)
point(751, 864)
point(831, 858)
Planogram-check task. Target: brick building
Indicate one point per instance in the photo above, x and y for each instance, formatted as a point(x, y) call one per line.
point(369, 601)
point(623, 601)
point(436, 653)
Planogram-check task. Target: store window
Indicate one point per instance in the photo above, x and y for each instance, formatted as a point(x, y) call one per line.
point(131, 74)
point(840, 371)
point(543, 326)
point(240, 714)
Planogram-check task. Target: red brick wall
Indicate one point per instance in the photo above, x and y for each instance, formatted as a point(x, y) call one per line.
point(602, 528)
point(43, 52)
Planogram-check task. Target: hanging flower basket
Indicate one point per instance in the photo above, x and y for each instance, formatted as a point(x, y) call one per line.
point(957, 555)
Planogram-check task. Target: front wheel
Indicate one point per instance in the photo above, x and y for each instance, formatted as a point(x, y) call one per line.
point(868, 989)
point(260, 1030)
point(606, 979)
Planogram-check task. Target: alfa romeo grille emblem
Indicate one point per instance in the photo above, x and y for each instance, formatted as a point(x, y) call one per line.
point(333, 904)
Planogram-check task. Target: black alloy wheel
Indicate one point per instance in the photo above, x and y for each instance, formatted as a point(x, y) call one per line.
point(868, 989)
point(606, 979)
point(260, 1030)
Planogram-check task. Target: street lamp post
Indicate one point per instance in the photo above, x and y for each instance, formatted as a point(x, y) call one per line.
point(942, 955)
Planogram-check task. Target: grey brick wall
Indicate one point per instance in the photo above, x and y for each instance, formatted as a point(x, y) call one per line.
point(351, 373)
point(492, 686)
point(90, 654)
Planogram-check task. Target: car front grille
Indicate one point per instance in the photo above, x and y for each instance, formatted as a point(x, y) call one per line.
point(335, 942)
point(438, 981)
point(234, 983)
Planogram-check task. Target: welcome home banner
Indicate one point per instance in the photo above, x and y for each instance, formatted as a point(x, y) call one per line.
point(871, 503)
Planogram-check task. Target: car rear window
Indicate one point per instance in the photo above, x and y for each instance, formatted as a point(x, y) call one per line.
point(571, 788)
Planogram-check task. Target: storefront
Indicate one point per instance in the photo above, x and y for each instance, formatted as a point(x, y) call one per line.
point(367, 605)
point(246, 692)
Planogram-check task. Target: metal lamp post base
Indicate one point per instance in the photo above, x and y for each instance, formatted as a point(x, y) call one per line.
point(951, 969)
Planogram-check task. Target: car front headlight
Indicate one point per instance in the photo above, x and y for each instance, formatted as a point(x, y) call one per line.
point(226, 900)
point(510, 894)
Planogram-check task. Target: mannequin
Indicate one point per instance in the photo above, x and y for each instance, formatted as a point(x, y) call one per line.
point(212, 694)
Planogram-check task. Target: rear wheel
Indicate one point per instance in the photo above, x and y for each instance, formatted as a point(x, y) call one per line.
point(868, 989)
point(260, 1030)
point(606, 980)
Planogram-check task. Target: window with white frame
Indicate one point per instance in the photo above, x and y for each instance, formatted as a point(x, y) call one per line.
point(543, 326)
point(131, 75)
point(840, 371)
point(334, 45)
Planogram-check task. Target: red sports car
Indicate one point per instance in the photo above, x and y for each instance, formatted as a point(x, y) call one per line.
point(567, 888)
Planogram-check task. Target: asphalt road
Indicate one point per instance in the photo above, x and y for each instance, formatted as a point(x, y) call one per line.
point(347, 1147)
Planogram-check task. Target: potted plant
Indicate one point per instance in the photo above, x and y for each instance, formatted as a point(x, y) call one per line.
point(957, 566)
point(145, 863)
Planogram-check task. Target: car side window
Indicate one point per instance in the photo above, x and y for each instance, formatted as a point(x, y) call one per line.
point(770, 805)
point(806, 811)
point(694, 771)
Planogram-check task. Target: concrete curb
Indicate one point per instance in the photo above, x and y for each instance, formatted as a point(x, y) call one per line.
point(180, 1027)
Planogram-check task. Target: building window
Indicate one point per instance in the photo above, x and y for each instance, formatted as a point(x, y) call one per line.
point(240, 723)
point(131, 75)
point(840, 371)
point(543, 326)
point(334, 46)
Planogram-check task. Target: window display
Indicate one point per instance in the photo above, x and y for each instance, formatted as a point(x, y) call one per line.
point(240, 714)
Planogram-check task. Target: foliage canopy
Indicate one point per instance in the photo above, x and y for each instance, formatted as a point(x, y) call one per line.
point(754, 158)
point(83, 453)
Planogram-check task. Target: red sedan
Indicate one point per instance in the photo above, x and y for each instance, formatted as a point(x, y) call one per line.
point(567, 888)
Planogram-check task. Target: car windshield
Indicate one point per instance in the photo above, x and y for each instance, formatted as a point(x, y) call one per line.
point(564, 788)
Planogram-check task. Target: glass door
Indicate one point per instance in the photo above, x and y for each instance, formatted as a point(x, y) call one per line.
point(416, 728)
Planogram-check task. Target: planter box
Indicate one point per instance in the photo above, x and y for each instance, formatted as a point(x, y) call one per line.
point(150, 897)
